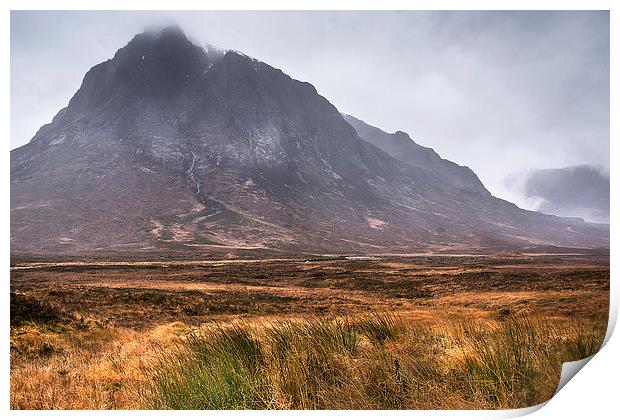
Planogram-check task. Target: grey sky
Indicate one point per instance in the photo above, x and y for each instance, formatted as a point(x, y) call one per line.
point(500, 92)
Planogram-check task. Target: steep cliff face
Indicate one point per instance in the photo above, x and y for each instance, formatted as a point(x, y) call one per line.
point(169, 147)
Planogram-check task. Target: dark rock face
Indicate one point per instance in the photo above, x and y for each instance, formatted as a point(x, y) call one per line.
point(579, 191)
point(170, 148)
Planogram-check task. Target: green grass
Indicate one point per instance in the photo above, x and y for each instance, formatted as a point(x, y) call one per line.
point(222, 370)
point(376, 362)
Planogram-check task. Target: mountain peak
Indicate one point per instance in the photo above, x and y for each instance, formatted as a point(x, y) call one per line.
point(402, 136)
point(158, 30)
point(171, 35)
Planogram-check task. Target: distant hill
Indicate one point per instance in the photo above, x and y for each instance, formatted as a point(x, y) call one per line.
point(580, 191)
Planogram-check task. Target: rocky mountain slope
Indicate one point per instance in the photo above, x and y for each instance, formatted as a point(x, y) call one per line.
point(172, 148)
point(400, 146)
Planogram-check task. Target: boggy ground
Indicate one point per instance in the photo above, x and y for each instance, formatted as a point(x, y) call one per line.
point(391, 332)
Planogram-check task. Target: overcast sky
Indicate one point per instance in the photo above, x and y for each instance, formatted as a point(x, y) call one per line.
point(500, 92)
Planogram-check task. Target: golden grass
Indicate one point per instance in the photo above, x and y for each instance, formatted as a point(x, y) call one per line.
point(87, 367)
point(385, 361)
point(486, 332)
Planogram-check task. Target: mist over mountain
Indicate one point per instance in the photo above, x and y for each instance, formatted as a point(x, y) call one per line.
point(578, 191)
point(170, 148)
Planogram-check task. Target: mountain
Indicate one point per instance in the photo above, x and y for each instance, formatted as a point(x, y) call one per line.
point(171, 149)
point(580, 191)
point(400, 146)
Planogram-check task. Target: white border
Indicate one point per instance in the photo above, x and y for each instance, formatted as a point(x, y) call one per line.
point(593, 394)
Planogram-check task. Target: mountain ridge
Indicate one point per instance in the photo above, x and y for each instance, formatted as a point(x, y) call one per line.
point(400, 146)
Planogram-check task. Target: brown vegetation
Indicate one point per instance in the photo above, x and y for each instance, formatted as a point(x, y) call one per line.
point(451, 332)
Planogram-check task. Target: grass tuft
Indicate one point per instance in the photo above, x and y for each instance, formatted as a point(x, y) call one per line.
point(325, 364)
point(381, 327)
point(219, 369)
